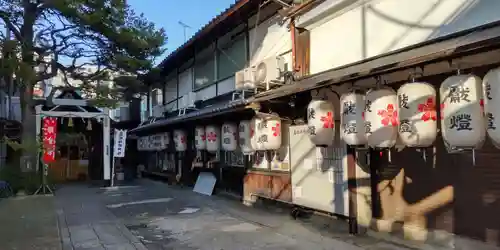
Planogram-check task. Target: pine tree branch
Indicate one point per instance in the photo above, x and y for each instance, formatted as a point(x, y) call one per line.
point(10, 25)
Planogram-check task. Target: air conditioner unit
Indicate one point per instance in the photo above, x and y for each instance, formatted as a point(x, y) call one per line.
point(188, 100)
point(269, 72)
point(244, 79)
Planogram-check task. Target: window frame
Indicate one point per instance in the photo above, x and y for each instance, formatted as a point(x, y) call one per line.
point(203, 57)
point(240, 36)
point(155, 93)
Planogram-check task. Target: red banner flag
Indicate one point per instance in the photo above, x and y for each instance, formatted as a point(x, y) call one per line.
point(49, 132)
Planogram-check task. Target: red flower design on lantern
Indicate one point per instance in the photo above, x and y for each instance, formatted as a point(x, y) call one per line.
point(389, 115)
point(429, 110)
point(252, 131)
point(327, 120)
point(481, 103)
point(212, 137)
point(276, 130)
point(182, 139)
point(203, 137)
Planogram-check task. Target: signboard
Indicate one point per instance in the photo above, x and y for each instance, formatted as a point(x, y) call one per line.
point(49, 139)
point(119, 147)
point(157, 142)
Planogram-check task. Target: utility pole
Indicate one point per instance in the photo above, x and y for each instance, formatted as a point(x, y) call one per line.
point(184, 27)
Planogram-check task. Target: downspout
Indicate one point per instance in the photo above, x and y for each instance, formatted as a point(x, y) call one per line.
point(292, 14)
point(293, 33)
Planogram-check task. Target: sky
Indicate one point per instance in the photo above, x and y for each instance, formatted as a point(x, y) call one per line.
point(167, 14)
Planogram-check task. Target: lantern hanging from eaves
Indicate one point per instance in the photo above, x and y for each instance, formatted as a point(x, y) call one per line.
point(212, 133)
point(267, 132)
point(417, 114)
point(200, 141)
point(245, 133)
point(321, 123)
point(352, 107)
point(491, 97)
point(272, 131)
point(462, 123)
point(229, 137)
point(255, 133)
point(180, 140)
point(381, 118)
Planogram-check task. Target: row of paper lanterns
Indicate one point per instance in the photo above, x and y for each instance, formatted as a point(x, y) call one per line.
point(469, 107)
point(153, 142)
point(257, 134)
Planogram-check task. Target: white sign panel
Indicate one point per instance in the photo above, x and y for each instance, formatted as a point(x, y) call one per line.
point(119, 147)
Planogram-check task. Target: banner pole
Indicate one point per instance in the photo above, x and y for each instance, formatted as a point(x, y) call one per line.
point(113, 171)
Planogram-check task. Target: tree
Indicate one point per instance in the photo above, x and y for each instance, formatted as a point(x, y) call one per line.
point(51, 36)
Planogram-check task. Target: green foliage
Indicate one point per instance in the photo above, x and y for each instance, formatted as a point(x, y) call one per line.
point(32, 146)
point(27, 181)
point(69, 36)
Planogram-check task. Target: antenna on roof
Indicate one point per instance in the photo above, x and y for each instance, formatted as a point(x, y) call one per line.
point(184, 27)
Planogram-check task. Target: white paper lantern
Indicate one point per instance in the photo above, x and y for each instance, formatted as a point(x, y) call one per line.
point(417, 114)
point(255, 133)
point(381, 118)
point(321, 122)
point(267, 133)
point(180, 140)
point(462, 121)
point(213, 138)
point(229, 137)
point(491, 97)
point(200, 141)
point(245, 133)
point(352, 106)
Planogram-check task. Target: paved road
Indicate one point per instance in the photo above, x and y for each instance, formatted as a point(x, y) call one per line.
point(85, 223)
point(163, 217)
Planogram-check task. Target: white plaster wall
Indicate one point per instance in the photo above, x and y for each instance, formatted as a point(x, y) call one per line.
point(352, 32)
point(270, 38)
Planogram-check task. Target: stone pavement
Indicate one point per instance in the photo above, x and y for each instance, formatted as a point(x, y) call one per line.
point(86, 224)
point(28, 223)
point(185, 220)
